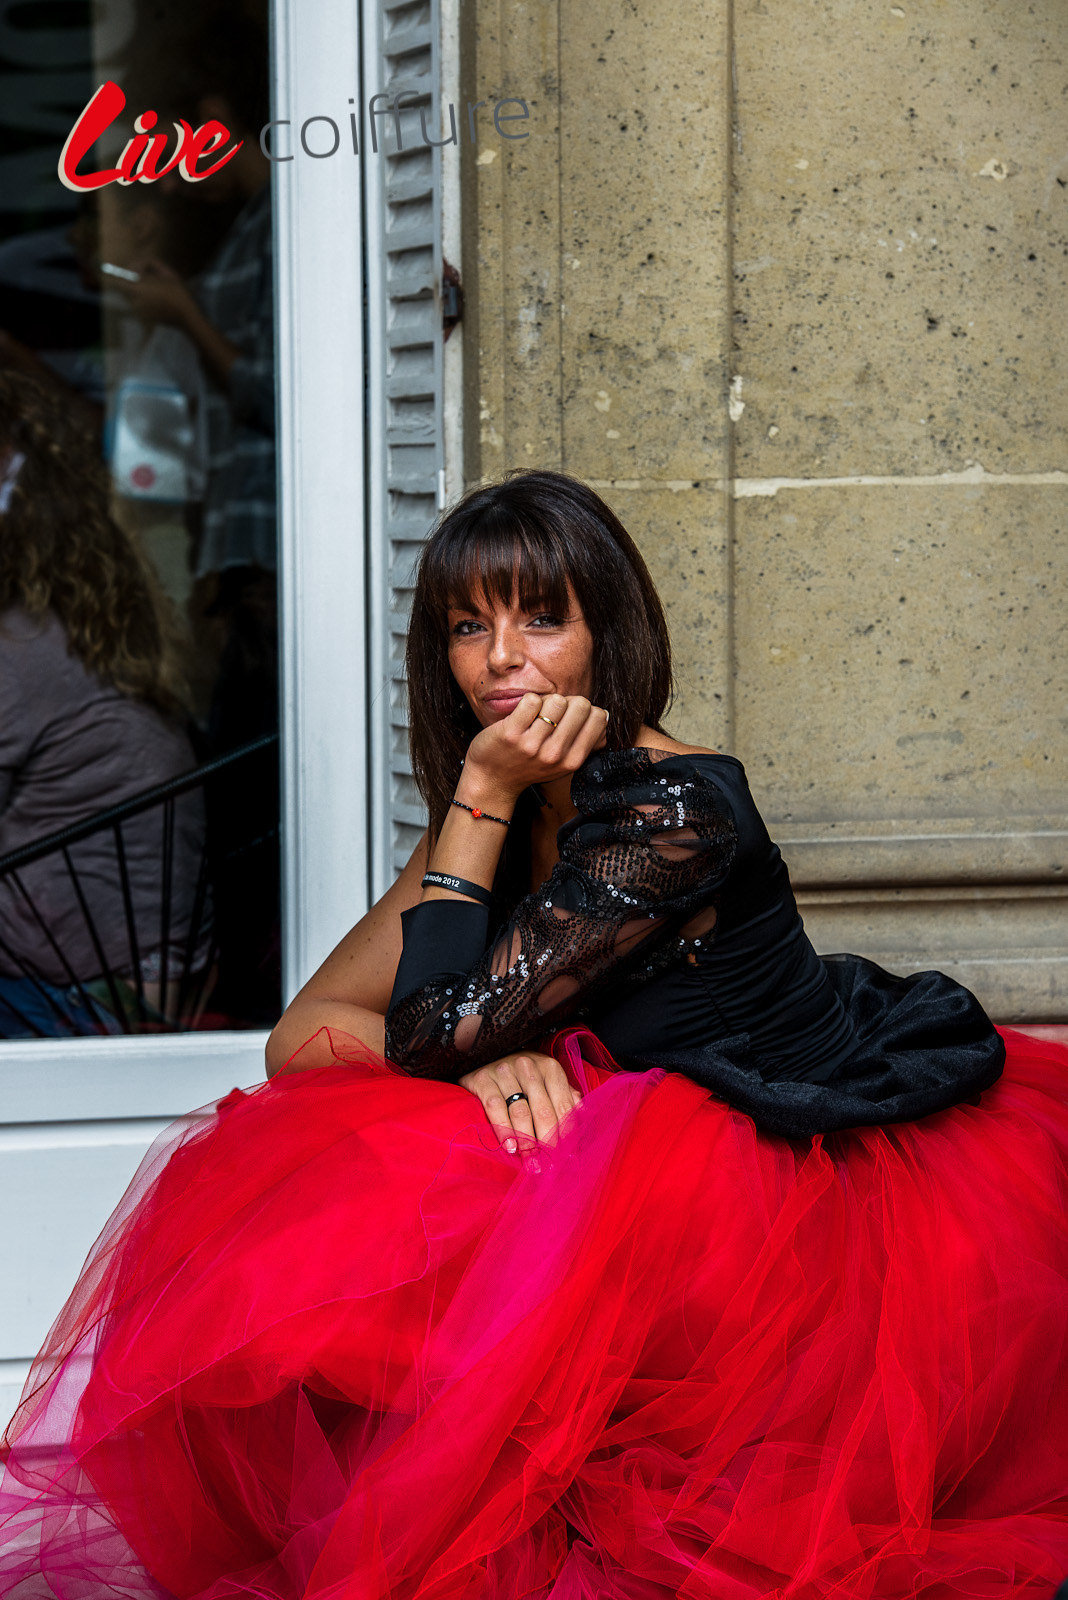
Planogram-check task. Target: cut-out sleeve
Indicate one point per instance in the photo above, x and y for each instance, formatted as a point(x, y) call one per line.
point(646, 851)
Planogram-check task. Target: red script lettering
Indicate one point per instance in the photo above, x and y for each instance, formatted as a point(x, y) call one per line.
point(142, 155)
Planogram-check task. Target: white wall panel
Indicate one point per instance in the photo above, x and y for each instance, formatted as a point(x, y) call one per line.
point(77, 1118)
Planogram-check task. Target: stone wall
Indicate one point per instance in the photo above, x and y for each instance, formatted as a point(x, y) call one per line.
point(786, 282)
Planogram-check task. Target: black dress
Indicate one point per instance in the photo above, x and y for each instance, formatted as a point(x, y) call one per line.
point(802, 1043)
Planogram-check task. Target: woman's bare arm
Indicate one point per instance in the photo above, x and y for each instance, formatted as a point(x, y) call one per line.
point(351, 990)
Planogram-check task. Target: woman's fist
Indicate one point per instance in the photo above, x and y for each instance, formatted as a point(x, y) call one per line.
point(542, 738)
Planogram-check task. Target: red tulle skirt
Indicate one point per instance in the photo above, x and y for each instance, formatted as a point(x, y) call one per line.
point(336, 1342)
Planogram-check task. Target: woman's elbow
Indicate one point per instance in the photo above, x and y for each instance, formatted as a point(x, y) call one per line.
point(312, 1026)
point(275, 1054)
point(292, 1030)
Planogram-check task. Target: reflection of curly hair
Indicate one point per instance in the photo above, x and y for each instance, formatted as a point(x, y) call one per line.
point(62, 552)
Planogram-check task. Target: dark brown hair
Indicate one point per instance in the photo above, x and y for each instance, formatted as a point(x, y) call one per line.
point(61, 552)
point(533, 532)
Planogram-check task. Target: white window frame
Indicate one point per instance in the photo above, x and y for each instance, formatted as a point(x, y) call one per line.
point(319, 248)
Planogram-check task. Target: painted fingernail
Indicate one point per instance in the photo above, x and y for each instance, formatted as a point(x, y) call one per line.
point(511, 1146)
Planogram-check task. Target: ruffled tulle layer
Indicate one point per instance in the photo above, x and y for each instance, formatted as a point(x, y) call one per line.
point(337, 1343)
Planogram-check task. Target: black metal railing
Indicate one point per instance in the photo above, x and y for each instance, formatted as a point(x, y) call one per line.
point(161, 979)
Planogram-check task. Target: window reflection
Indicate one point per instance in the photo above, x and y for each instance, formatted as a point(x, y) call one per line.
point(138, 616)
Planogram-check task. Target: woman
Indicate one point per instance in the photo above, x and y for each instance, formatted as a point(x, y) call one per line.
point(493, 1317)
point(91, 714)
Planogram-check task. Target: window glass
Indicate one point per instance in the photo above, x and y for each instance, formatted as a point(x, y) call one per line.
point(138, 620)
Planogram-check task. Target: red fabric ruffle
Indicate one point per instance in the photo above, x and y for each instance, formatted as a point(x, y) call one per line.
point(337, 1343)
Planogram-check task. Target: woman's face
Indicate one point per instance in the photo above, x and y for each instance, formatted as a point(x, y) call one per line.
point(499, 653)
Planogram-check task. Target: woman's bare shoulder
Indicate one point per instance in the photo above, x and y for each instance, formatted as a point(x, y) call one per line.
point(649, 739)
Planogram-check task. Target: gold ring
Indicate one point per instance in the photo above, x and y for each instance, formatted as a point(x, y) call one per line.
point(543, 718)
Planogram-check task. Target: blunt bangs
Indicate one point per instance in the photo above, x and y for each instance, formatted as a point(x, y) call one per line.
point(502, 556)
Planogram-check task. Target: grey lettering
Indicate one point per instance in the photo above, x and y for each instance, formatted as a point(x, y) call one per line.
point(513, 116)
point(403, 95)
point(437, 143)
point(471, 109)
point(374, 111)
point(320, 155)
point(264, 145)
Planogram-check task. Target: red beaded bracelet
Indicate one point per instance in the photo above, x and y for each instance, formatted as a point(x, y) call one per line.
point(477, 811)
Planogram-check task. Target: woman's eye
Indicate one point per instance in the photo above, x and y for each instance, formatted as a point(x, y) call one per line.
point(542, 619)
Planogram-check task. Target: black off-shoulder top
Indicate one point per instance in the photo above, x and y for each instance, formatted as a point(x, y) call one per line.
point(669, 928)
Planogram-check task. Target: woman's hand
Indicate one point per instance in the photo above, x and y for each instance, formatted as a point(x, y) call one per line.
point(161, 295)
point(549, 1096)
point(525, 748)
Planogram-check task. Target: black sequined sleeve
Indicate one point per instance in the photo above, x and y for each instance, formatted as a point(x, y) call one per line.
point(645, 851)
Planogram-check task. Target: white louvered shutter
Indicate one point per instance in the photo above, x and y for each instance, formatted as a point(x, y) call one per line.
point(405, 458)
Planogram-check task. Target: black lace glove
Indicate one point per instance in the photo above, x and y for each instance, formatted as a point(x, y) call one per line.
point(647, 849)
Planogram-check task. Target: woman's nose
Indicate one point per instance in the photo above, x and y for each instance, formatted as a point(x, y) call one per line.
point(505, 648)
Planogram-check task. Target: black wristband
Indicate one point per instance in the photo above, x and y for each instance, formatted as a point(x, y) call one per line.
point(446, 880)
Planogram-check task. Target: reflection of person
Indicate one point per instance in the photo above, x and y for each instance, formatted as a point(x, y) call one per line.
point(226, 312)
point(47, 267)
point(155, 429)
point(519, 1312)
point(90, 714)
point(134, 225)
point(228, 315)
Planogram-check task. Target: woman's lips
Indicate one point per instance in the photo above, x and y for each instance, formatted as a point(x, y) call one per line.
point(505, 704)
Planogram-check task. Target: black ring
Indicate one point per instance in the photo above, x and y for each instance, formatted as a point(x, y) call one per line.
point(512, 1098)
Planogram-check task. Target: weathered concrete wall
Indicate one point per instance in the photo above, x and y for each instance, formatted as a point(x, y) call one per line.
point(600, 282)
point(787, 283)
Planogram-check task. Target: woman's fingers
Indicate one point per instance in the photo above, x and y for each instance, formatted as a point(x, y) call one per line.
point(550, 1095)
point(521, 1112)
point(595, 733)
point(552, 728)
point(563, 1097)
point(526, 716)
point(580, 729)
point(539, 1102)
point(547, 1096)
point(486, 1084)
point(542, 738)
